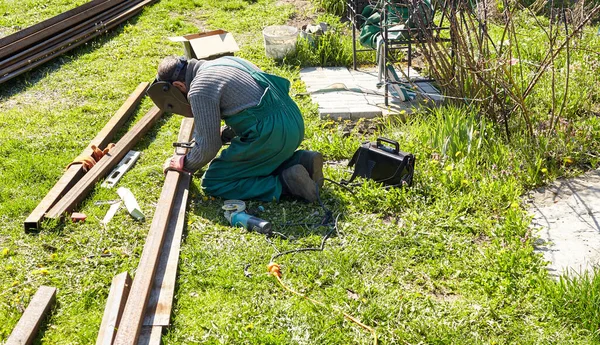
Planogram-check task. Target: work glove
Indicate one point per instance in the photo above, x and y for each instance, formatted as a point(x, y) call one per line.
point(88, 162)
point(227, 133)
point(175, 163)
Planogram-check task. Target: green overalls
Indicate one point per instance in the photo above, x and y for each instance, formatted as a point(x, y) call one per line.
point(268, 135)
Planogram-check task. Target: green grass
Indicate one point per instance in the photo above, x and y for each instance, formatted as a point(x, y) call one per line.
point(447, 261)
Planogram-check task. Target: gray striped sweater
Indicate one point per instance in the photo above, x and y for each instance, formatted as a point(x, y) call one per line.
point(214, 94)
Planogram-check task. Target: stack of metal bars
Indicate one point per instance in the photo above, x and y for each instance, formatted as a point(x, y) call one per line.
point(37, 44)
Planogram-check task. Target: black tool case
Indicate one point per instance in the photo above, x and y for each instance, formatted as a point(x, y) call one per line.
point(382, 163)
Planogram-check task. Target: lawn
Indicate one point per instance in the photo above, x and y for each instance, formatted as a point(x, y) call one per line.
point(449, 260)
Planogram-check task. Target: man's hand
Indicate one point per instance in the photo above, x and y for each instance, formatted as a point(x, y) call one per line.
point(227, 133)
point(175, 163)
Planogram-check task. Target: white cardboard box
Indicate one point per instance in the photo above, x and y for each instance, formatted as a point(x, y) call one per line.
point(207, 45)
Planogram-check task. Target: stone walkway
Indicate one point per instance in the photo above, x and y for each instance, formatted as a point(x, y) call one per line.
point(354, 105)
point(567, 219)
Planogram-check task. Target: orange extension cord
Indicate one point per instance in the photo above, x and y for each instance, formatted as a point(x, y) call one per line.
point(275, 270)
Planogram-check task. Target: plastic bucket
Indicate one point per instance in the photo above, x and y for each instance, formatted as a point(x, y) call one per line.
point(280, 40)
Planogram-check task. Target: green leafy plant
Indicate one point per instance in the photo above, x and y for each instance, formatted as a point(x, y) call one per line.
point(336, 7)
point(576, 297)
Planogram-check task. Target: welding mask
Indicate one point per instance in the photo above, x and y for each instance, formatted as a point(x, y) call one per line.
point(168, 97)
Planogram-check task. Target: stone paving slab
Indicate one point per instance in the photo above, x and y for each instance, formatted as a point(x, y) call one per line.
point(567, 222)
point(355, 105)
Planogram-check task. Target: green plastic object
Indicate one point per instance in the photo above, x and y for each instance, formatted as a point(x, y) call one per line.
point(397, 14)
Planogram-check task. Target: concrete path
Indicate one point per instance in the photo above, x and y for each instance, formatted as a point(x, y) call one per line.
point(355, 105)
point(567, 219)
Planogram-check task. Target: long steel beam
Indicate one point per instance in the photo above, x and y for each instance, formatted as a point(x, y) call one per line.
point(46, 32)
point(75, 42)
point(133, 315)
point(28, 326)
point(4, 41)
point(84, 26)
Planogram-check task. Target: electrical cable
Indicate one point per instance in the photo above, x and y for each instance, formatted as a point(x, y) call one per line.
point(275, 270)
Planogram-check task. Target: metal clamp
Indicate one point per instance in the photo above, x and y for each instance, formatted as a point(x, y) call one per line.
point(188, 145)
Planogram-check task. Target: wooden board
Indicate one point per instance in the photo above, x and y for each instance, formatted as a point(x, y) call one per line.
point(160, 303)
point(74, 196)
point(131, 323)
point(75, 172)
point(28, 326)
point(117, 297)
point(150, 335)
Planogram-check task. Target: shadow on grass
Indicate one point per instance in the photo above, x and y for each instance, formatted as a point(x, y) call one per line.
point(291, 218)
point(28, 79)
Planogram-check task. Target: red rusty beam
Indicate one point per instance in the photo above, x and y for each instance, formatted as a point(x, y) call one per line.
point(133, 315)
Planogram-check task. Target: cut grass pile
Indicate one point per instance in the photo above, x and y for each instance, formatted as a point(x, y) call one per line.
point(447, 261)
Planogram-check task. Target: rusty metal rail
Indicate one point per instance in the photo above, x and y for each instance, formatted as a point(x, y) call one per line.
point(33, 46)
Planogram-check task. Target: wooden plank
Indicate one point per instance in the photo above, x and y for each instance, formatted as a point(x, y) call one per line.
point(160, 303)
point(74, 196)
point(129, 329)
point(29, 324)
point(119, 291)
point(46, 23)
point(150, 335)
point(75, 172)
point(53, 29)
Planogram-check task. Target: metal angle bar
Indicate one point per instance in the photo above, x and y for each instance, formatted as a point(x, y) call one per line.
point(160, 302)
point(150, 335)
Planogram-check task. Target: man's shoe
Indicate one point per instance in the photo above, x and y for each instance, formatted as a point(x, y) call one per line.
point(297, 182)
point(312, 161)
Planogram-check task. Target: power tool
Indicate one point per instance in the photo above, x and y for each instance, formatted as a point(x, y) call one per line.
point(235, 213)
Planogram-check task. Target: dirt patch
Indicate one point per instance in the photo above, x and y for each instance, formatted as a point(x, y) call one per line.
point(5, 31)
point(567, 222)
point(34, 97)
point(443, 297)
point(50, 99)
point(305, 12)
point(200, 24)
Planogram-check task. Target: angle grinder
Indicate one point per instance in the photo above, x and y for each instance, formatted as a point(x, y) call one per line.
point(235, 213)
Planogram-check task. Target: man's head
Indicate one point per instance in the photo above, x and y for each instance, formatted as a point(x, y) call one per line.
point(169, 91)
point(172, 69)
